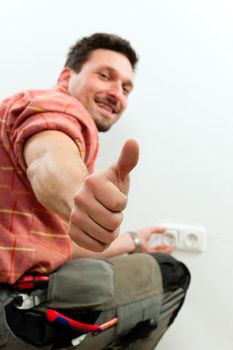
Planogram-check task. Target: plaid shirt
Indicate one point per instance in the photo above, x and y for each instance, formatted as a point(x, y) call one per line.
point(31, 237)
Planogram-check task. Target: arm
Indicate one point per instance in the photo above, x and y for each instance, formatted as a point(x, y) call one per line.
point(121, 245)
point(93, 204)
point(124, 244)
point(55, 170)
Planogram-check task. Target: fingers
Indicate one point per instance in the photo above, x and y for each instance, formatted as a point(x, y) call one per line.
point(162, 248)
point(128, 159)
point(97, 210)
point(82, 239)
point(85, 223)
point(106, 192)
point(118, 174)
point(158, 229)
point(108, 219)
point(166, 249)
point(88, 213)
point(97, 213)
point(152, 240)
point(92, 226)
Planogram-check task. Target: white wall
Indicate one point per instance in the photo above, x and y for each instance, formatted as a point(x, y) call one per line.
point(181, 112)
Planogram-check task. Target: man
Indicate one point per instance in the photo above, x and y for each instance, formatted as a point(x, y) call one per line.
point(54, 208)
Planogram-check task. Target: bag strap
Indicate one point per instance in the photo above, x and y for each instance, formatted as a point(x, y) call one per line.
point(6, 296)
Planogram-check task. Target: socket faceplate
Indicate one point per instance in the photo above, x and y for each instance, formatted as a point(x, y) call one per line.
point(185, 237)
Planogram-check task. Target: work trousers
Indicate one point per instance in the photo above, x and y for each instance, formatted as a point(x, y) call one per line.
point(149, 290)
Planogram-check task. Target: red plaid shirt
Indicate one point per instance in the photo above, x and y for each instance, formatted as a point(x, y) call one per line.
point(31, 237)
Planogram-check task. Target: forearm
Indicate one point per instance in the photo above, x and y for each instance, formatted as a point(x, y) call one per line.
point(123, 244)
point(56, 175)
point(126, 244)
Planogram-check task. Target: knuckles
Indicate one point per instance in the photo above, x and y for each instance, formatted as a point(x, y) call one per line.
point(119, 204)
point(111, 236)
point(95, 246)
point(89, 182)
point(115, 221)
point(104, 235)
point(98, 186)
point(81, 199)
point(75, 216)
point(80, 238)
point(104, 228)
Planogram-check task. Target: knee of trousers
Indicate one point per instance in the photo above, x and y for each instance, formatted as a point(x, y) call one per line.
point(175, 274)
point(138, 290)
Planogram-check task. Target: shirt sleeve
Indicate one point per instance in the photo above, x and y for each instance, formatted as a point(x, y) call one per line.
point(53, 111)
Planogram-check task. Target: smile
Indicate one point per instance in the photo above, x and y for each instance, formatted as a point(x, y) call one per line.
point(108, 106)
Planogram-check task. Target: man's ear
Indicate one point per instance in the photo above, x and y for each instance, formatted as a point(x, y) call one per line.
point(64, 78)
point(65, 75)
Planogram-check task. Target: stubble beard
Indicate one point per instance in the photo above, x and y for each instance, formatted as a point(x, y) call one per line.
point(103, 123)
point(102, 127)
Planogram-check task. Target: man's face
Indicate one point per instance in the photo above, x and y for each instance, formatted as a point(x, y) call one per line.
point(103, 86)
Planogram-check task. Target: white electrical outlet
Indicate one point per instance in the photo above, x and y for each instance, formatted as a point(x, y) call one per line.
point(170, 237)
point(186, 238)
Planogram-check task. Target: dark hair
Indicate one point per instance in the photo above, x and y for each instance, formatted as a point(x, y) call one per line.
point(80, 52)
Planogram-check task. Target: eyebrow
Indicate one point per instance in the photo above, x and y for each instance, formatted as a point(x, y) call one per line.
point(113, 70)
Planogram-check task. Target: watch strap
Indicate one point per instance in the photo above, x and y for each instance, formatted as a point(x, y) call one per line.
point(137, 242)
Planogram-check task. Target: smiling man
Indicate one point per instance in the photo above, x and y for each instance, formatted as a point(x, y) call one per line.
point(103, 86)
point(55, 211)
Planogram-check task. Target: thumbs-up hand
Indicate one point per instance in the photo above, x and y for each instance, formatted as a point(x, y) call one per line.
point(98, 207)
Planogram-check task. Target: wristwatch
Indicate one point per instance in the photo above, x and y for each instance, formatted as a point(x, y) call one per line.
point(137, 242)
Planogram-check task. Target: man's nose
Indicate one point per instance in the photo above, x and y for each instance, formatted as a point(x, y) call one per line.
point(115, 90)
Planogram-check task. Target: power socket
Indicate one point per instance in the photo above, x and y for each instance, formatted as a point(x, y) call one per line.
point(170, 236)
point(185, 238)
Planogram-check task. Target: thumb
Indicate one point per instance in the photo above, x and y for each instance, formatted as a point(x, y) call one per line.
point(128, 159)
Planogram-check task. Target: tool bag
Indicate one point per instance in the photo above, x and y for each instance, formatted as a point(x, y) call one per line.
point(78, 287)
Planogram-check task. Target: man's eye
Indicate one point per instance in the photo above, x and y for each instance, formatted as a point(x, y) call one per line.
point(126, 90)
point(104, 76)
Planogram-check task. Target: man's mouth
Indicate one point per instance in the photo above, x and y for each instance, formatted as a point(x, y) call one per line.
point(107, 105)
